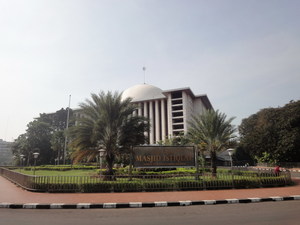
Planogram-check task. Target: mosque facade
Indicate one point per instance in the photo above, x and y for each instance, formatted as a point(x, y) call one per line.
point(167, 110)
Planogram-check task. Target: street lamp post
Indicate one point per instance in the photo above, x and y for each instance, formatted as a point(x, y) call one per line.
point(230, 152)
point(14, 160)
point(22, 158)
point(101, 154)
point(35, 156)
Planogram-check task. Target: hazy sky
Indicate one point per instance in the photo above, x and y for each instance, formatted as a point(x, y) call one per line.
point(244, 54)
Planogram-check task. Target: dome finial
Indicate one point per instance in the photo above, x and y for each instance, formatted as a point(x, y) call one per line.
point(144, 69)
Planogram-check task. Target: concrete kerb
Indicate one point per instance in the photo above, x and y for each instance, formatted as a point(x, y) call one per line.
point(144, 204)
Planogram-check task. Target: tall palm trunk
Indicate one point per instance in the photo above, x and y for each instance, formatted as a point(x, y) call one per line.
point(110, 158)
point(213, 157)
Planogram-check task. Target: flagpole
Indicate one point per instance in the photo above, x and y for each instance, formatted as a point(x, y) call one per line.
point(66, 131)
point(144, 69)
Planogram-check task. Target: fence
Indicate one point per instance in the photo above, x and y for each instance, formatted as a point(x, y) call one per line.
point(287, 165)
point(126, 183)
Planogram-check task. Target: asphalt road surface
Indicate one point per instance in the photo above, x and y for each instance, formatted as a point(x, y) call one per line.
point(268, 213)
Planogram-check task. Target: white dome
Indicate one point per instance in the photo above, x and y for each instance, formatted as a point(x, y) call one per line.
point(143, 92)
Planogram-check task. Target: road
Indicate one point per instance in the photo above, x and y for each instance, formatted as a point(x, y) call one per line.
point(275, 213)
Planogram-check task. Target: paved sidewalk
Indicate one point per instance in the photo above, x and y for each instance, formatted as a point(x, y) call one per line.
point(10, 193)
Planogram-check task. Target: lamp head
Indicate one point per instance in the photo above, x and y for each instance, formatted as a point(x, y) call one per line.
point(230, 151)
point(101, 152)
point(36, 155)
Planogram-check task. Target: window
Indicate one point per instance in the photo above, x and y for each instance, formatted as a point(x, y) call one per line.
point(177, 114)
point(177, 94)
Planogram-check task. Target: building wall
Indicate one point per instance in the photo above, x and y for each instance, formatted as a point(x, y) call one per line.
point(170, 116)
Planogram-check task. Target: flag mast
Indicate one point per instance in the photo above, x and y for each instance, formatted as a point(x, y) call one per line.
point(66, 131)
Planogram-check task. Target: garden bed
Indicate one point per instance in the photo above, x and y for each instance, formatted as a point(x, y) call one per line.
point(163, 181)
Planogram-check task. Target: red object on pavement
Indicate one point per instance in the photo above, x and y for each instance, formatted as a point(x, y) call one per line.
point(277, 170)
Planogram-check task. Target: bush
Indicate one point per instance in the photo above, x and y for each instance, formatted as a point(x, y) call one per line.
point(62, 167)
point(57, 187)
point(166, 184)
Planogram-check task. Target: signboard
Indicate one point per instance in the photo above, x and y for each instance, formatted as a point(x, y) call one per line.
point(163, 156)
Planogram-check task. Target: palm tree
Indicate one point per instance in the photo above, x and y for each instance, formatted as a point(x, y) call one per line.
point(213, 131)
point(107, 123)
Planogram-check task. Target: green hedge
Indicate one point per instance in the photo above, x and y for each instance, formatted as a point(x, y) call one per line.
point(62, 168)
point(138, 185)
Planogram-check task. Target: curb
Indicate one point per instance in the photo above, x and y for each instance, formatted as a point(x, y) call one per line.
point(143, 204)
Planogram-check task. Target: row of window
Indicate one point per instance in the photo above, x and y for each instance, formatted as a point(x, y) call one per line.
point(177, 112)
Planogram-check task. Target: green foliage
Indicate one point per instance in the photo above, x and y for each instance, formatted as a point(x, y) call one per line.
point(107, 123)
point(57, 144)
point(181, 184)
point(179, 140)
point(79, 180)
point(242, 156)
point(273, 135)
point(57, 120)
point(44, 135)
point(213, 132)
point(266, 158)
point(36, 139)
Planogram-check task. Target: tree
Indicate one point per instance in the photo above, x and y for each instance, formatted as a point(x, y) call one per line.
point(46, 134)
point(273, 134)
point(179, 140)
point(39, 140)
point(57, 120)
point(20, 147)
point(57, 145)
point(107, 123)
point(36, 139)
point(213, 131)
point(58, 123)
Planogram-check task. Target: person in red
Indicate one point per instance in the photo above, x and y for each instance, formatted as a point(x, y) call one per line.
point(277, 170)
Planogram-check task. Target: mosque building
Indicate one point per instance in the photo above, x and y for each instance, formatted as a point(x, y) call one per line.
point(168, 111)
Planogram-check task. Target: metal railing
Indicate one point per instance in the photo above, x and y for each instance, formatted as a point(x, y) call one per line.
point(287, 165)
point(126, 183)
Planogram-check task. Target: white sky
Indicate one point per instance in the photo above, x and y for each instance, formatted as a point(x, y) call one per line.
point(244, 54)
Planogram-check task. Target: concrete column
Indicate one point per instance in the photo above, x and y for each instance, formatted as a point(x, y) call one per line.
point(163, 120)
point(140, 109)
point(157, 121)
point(146, 115)
point(134, 113)
point(169, 113)
point(146, 109)
point(151, 135)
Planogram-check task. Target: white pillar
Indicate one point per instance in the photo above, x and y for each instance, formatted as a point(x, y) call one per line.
point(169, 113)
point(157, 120)
point(151, 123)
point(146, 116)
point(134, 113)
point(145, 109)
point(163, 120)
point(140, 109)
